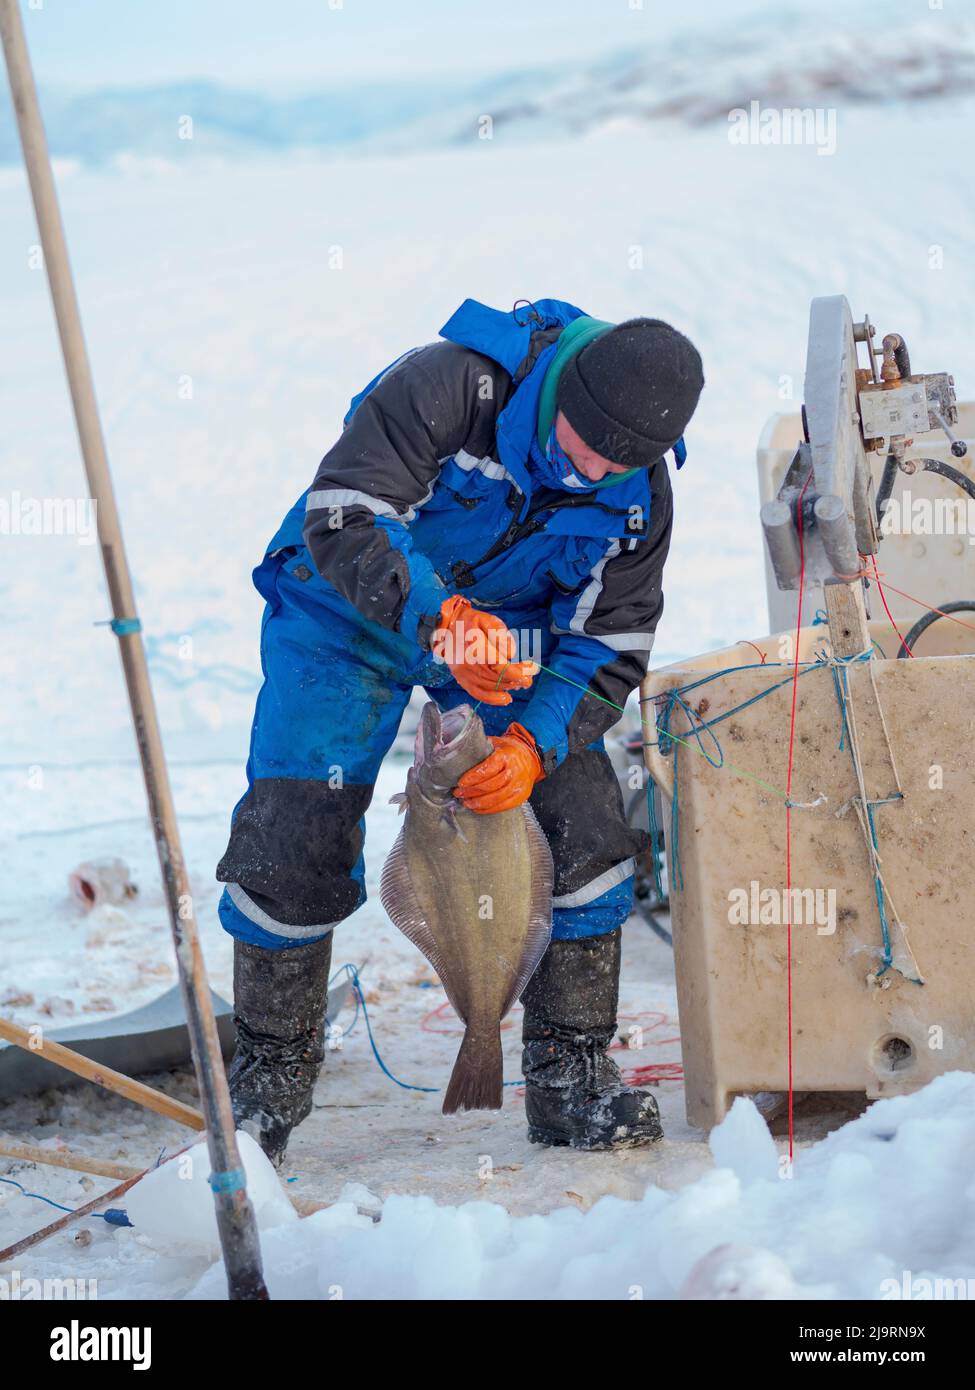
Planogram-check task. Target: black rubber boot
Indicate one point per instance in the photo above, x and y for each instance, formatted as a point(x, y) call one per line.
point(574, 1093)
point(279, 1015)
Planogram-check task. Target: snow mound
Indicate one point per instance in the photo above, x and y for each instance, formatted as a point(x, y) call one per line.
point(890, 1193)
point(742, 1143)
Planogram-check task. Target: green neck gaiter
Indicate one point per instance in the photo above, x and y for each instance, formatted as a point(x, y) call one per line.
point(577, 335)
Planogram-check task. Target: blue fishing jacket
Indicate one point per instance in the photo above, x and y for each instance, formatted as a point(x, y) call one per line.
point(439, 485)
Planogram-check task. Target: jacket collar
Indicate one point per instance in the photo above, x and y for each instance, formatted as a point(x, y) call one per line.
point(505, 337)
point(505, 334)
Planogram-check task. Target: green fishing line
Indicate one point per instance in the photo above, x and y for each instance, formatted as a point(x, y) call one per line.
point(675, 738)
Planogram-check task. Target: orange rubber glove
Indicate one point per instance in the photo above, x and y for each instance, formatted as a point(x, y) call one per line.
point(505, 778)
point(478, 648)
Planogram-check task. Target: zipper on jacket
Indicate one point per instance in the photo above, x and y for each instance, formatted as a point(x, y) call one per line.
point(463, 570)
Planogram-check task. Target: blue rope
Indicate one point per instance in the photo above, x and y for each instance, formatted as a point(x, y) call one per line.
point(841, 694)
point(842, 691)
point(705, 726)
point(233, 1180)
point(888, 957)
point(677, 873)
point(114, 1216)
point(404, 1085)
point(698, 728)
point(347, 1032)
point(654, 836)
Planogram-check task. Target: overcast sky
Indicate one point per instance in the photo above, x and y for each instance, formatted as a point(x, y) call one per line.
point(277, 43)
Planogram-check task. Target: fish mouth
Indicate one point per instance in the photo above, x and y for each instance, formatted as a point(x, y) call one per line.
point(438, 733)
point(453, 724)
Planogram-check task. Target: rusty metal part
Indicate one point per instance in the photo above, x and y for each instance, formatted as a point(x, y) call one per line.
point(897, 363)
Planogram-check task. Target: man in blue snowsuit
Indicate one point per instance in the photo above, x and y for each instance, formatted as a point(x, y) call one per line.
point(512, 474)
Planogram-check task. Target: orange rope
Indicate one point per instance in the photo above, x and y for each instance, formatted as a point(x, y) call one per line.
point(932, 607)
point(876, 574)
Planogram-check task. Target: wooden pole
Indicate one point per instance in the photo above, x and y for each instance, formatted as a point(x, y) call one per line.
point(849, 634)
point(102, 1076)
point(235, 1215)
point(102, 1168)
point(67, 1158)
point(28, 1242)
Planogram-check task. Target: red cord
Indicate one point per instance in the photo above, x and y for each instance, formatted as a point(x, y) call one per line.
point(439, 1015)
point(653, 1074)
point(788, 802)
point(743, 641)
point(922, 603)
point(883, 600)
point(649, 1074)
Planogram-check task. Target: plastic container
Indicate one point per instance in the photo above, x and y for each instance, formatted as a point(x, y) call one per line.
point(860, 1022)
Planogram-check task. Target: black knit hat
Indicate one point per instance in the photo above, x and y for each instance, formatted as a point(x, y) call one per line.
point(631, 392)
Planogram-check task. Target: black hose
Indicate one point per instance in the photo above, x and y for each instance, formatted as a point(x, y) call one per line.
point(652, 920)
point(948, 471)
point(645, 899)
point(961, 605)
point(887, 479)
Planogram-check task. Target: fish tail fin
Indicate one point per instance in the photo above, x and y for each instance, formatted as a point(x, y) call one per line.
point(477, 1080)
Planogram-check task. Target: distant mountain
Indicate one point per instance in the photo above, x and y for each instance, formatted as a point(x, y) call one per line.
point(779, 65)
point(95, 127)
point(694, 80)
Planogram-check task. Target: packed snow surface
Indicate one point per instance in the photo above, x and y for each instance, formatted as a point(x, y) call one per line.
point(883, 1204)
point(889, 1192)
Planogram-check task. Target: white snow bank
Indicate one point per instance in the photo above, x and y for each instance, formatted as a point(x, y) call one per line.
point(891, 1193)
point(174, 1207)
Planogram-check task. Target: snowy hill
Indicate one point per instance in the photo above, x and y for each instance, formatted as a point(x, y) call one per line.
point(876, 57)
point(701, 82)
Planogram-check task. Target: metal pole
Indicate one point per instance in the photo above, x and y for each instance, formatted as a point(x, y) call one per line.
point(235, 1215)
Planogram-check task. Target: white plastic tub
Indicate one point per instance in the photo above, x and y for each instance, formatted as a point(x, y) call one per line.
point(859, 1023)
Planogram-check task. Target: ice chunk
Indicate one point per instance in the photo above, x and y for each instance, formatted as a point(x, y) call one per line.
point(173, 1204)
point(742, 1143)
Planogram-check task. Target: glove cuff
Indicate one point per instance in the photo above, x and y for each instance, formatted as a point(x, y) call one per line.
point(519, 732)
point(452, 608)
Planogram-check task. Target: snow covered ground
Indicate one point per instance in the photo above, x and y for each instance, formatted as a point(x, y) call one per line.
point(231, 311)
